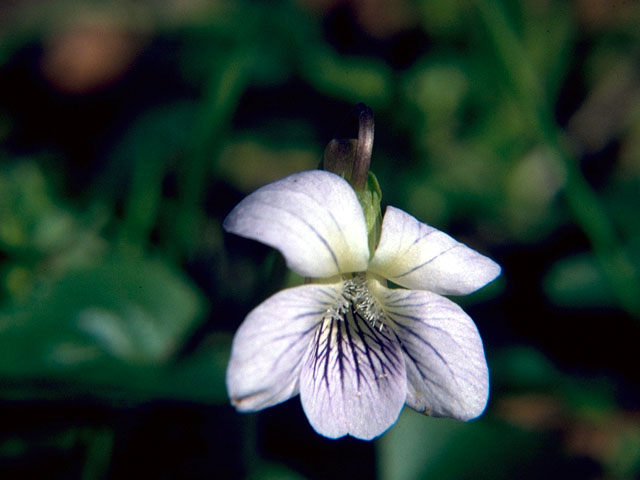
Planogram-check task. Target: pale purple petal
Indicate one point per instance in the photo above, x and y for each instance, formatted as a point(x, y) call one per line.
point(313, 218)
point(353, 380)
point(268, 348)
point(417, 256)
point(447, 371)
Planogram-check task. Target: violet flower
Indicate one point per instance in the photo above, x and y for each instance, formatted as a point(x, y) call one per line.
point(354, 349)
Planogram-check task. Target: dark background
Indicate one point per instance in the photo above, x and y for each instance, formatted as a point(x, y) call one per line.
point(128, 130)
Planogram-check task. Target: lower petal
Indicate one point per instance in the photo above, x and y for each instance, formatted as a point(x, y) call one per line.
point(353, 380)
point(447, 371)
point(269, 346)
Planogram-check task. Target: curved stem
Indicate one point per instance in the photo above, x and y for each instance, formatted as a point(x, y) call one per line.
point(360, 172)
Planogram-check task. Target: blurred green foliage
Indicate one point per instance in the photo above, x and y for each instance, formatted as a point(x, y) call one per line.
point(129, 129)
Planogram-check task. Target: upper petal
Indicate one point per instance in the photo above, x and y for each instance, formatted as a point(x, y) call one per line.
point(313, 218)
point(417, 256)
point(353, 380)
point(447, 371)
point(268, 348)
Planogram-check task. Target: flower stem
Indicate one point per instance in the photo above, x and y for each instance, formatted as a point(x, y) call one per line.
point(364, 148)
point(350, 158)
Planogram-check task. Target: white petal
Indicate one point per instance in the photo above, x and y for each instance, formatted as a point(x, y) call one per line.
point(417, 256)
point(313, 218)
point(268, 348)
point(353, 380)
point(446, 368)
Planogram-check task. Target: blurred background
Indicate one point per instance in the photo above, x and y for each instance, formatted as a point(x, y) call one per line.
point(128, 130)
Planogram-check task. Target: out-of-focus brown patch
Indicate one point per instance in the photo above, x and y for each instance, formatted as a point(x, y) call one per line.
point(379, 18)
point(608, 108)
point(613, 440)
point(319, 5)
point(533, 411)
point(593, 440)
point(611, 437)
point(85, 56)
point(598, 14)
point(384, 18)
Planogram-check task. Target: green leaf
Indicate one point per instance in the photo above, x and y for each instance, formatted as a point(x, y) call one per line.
point(523, 368)
point(127, 311)
point(274, 471)
point(112, 331)
point(578, 281)
point(422, 448)
point(354, 79)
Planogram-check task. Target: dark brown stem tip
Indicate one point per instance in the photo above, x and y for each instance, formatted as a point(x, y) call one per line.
point(350, 158)
point(364, 148)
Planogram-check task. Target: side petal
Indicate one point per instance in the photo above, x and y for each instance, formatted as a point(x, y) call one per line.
point(313, 218)
point(447, 371)
point(417, 256)
point(268, 349)
point(353, 380)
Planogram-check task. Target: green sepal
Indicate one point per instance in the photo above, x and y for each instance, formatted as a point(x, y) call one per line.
point(369, 199)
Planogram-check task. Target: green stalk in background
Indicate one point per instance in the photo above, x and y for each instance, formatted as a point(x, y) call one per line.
point(225, 86)
point(583, 202)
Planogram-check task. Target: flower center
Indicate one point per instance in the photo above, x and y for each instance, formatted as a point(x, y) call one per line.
point(356, 298)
